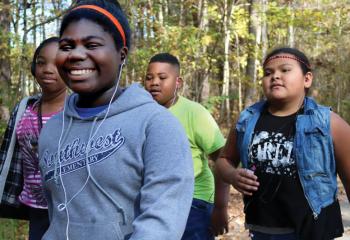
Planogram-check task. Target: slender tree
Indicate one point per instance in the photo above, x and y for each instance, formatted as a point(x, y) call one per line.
point(5, 65)
point(254, 39)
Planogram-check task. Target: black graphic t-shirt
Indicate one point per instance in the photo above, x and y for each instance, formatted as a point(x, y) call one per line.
point(279, 205)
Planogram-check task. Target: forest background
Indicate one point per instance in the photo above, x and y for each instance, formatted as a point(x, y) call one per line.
point(220, 43)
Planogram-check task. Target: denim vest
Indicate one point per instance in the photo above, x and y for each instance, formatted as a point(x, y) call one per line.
point(313, 150)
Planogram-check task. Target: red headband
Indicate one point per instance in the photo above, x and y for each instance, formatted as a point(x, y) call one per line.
point(108, 15)
point(285, 56)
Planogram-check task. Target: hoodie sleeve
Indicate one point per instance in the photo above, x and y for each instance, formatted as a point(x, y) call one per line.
point(167, 191)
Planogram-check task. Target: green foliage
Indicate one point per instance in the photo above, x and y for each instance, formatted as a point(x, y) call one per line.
point(321, 28)
point(214, 102)
point(346, 108)
point(3, 125)
point(13, 229)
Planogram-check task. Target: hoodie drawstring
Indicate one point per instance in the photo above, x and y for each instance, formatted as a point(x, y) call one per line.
point(63, 137)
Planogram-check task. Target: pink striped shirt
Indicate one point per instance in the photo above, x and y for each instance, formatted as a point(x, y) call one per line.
point(27, 133)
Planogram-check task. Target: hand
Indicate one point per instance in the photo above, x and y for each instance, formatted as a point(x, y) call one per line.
point(219, 221)
point(244, 181)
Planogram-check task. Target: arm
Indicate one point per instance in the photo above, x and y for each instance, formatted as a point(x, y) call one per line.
point(341, 139)
point(219, 217)
point(167, 189)
point(242, 180)
point(8, 133)
point(7, 154)
point(210, 141)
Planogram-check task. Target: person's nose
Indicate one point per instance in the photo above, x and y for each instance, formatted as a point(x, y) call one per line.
point(77, 54)
point(49, 68)
point(276, 75)
point(155, 82)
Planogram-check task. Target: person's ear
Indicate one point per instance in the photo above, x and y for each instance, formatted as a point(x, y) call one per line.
point(179, 82)
point(123, 54)
point(308, 79)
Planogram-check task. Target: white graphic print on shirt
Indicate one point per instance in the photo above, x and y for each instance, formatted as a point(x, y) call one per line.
point(73, 155)
point(271, 152)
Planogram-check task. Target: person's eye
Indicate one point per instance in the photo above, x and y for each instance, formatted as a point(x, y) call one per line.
point(267, 73)
point(162, 77)
point(65, 47)
point(40, 63)
point(92, 46)
point(148, 78)
point(286, 70)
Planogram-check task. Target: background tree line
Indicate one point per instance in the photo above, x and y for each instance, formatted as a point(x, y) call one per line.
point(220, 43)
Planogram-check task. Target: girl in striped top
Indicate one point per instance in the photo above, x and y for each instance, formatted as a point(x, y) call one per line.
point(26, 126)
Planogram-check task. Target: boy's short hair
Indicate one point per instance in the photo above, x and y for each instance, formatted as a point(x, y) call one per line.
point(165, 58)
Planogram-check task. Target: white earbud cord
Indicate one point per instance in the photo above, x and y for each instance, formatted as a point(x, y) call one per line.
point(64, 206)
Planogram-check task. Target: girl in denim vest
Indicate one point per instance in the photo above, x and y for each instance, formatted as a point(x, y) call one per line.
point(291, 150)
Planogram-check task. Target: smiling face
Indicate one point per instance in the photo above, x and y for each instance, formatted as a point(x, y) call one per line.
point(284, 80)
point(88, 61)
point(161, 81)
point(46, 73)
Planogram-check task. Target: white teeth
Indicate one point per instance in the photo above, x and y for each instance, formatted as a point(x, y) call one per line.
point(81, 72)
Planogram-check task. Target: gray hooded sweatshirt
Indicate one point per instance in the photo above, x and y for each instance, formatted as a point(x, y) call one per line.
point(129, 176)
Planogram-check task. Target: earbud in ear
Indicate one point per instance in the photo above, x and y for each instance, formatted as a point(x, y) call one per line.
point(123, 58)
point(177, 82)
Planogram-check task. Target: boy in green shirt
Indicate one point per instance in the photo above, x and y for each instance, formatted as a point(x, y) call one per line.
point(208, 215)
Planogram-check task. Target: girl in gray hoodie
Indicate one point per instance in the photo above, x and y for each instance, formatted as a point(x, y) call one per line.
point(115, 164)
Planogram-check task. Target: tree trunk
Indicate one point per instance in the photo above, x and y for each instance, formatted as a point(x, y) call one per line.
point(182, 13)
point(291, 41)
point(34, 8)
point(22, 72)
point(57, 5)
point(160, 13)
point(264, 34)
point(5, 65)
point(16, 16)
point(338, 77)
point(42, 15)
point(251, 73)
point(238, 69)
point(203, 26)
point(166, 9)
point(202, 76)
point(225, 106)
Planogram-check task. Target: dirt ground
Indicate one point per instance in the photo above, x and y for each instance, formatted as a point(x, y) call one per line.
point(236, 216)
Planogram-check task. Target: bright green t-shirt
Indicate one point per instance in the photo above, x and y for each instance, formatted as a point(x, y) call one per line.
point(205, 138)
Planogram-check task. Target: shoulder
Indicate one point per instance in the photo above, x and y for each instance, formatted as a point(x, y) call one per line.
point(251, 110)
point(161, 115)
point(21, 106)
point(161, 127)
point(321, 114)
point(311, 105)
point(27, 101)
point(55, 122)
point(192, 106)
